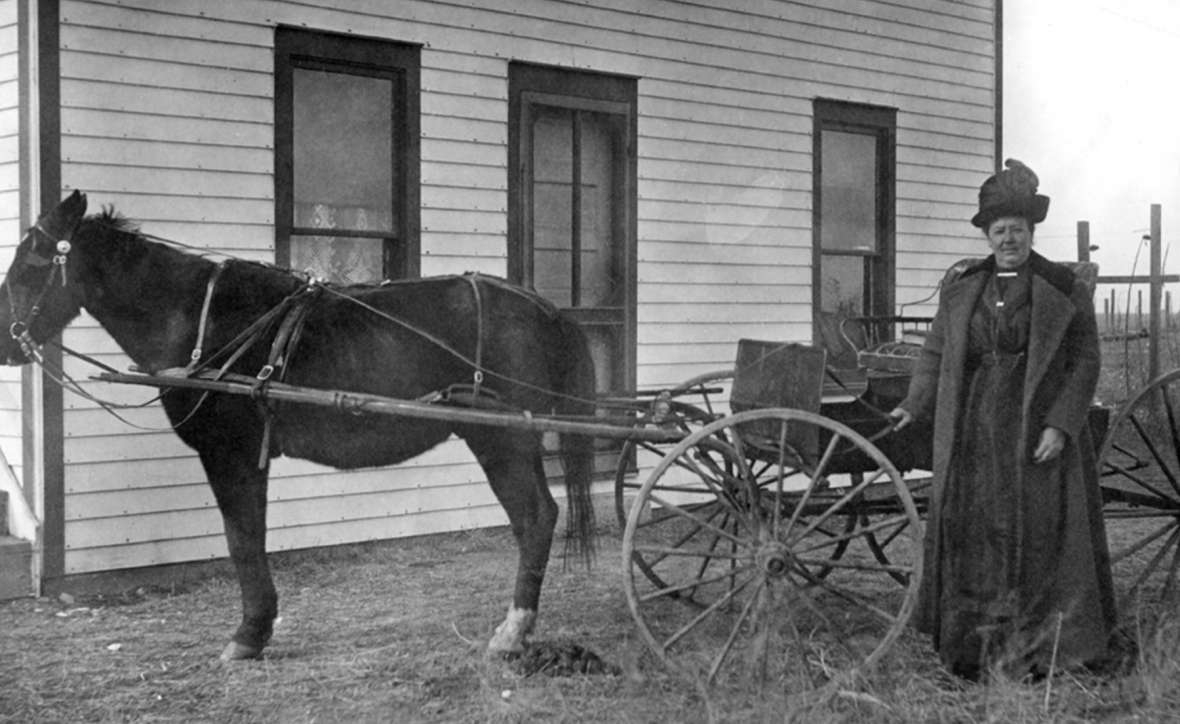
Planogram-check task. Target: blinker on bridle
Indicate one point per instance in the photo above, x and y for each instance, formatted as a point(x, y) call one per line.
point(19, 329)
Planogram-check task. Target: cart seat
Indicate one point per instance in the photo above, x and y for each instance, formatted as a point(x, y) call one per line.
point(778, 375)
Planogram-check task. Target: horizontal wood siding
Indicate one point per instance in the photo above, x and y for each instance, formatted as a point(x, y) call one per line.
point(168, 114)
point(10, 390)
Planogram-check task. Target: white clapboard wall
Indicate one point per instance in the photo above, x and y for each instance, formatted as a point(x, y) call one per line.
point(10, 232)
point(167, 113)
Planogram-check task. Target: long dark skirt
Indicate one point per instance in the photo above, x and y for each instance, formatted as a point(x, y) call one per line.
point(1021, 561)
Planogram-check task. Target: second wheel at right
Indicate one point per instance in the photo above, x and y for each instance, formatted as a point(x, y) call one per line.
point(1139, 471)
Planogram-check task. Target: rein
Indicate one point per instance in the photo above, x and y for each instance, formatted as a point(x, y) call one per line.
point(288, 314)
point(19, 330)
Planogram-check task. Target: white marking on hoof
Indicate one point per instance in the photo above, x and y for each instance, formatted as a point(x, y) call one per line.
point(238, 652)
point(509, 636)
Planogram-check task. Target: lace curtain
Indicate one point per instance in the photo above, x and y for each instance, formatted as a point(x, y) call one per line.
point(344, 260)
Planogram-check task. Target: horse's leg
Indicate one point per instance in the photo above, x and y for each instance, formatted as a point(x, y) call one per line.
point(512, 462)
point(240, 489)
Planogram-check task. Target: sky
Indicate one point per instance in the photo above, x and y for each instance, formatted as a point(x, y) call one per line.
point(1092, 104)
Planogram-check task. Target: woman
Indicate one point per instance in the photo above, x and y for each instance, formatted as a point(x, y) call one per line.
point(1016, 569)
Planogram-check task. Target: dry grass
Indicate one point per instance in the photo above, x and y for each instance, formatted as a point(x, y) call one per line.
point(394, 632)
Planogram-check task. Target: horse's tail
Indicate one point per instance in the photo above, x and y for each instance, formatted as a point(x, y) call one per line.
point(577, 391)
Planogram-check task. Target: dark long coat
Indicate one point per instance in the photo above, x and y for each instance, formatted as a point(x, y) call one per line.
point(1061, 374)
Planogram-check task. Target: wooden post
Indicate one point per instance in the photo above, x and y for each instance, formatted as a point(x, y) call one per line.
point(1083, 241)
point(1112, 322)
point(1157, 286)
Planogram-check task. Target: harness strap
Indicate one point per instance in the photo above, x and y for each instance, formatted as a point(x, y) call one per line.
point(194, 358)
point(477, 375)
point(282, 350)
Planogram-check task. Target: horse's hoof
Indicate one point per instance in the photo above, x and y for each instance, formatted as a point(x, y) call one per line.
point(240, 652)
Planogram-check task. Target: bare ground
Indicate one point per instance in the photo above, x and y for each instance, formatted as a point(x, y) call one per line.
point(394, 632)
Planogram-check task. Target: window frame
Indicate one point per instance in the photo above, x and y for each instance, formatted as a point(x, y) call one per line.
point(364, 56)
point(531, 84)
point(880, 122)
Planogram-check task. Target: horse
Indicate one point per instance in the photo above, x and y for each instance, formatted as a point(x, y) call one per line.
point(176, 312)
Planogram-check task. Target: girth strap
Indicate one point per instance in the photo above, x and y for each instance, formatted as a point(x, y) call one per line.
point(282, 350)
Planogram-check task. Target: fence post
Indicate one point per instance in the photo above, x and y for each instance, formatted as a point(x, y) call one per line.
point(1157, 286)
point(1112, 322)
point(1083, 241)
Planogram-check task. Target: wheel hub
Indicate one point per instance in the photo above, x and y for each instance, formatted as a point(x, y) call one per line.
point(773, 558)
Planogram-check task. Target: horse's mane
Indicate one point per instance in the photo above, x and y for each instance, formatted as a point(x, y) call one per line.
point(112, 219)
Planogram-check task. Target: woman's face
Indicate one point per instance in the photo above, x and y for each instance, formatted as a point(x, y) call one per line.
point(1010, 239)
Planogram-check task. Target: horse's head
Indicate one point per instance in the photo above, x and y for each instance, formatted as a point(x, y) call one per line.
point(37, 301)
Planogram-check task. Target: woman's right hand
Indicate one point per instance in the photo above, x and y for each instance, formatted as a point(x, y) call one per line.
point(901, 417)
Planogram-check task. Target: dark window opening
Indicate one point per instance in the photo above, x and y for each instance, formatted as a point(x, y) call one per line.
point(346, 150)
point(853, 217)
point(572, 204)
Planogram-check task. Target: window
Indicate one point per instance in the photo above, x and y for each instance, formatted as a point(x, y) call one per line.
point(346, 150)
point(572, 199)
point(853, 218)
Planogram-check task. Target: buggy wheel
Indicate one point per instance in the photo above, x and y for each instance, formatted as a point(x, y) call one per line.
point(879, 513)
point(730, 545)
point(1139, 469)
point(638, 455)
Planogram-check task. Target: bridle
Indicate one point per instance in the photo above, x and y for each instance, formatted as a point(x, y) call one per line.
point(19, 329)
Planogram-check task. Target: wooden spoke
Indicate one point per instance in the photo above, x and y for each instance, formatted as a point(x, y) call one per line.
point(677, 510)
point(1147, 441)
point(1160, 554)
point(666, 551)
point(844, 500)
point(853, 532)
point(695, 583)
point(735, 629)
point(1139, 466)
point(873, 566)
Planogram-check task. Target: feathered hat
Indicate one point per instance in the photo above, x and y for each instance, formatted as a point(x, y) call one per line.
point(1011, 192)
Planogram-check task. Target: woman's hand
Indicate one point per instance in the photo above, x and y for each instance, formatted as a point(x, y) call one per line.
point(900, 418)
point(1051, 444)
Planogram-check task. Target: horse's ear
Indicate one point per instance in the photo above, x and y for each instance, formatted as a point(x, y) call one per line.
point(76, 202)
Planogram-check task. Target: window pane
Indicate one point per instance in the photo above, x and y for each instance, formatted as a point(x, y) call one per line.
point(553, 205)
point(843, 285)
point(601, 285)
point(848, 201)
point(339, 260)
point(343, 150)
